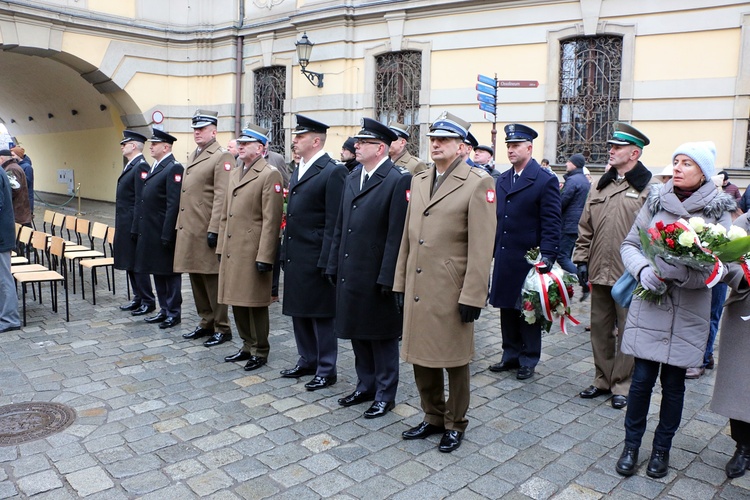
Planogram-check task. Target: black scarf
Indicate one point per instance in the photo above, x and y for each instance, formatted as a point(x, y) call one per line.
point(638, 177)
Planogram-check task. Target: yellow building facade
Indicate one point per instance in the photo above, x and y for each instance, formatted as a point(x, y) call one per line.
point(75, 73)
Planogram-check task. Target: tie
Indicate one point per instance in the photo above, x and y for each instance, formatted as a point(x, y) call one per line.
point(364, 182)
point(515, 178)
point(153, 167)
point(437, 182)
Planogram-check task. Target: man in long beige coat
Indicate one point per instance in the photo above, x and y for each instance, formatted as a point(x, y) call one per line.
point(398, 152)
point(607, 217)
point(248, 236)
point(441, 278)
point(201, 200)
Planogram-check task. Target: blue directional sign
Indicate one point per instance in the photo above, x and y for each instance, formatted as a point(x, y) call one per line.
point(489, 108)
point(487, 89)
point(485, 98)
point(487, 80)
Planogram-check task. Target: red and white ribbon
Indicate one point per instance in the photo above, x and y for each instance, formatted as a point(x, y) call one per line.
point(544, 281)
point(717, 272)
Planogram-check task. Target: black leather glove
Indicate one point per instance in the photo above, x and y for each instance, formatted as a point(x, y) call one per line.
point(583, 273)
point(263, 267)
point(547, 265)
point(331, 278)
point(398, 298)
point(469, 313)
point(134, 236)
point(386, 291)
point(212, 239)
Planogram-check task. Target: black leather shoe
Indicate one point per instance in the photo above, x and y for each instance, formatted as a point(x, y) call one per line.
point(157, 318)
point(142, 310)
point(593, 392)
point(525, 372)
point(238, 356)
point(297, 372)
point(356, 398)
point(627, 462)
point(658, 465)
point(451, 441)
point(254, 363)
point(170, 322)
point(422, 431)
point(619, 401)
point(504, 366)
point(131, 306)
point(217, 338)
point(197, 333)
point(320, 382)
point(739, 463)
point(379, 408)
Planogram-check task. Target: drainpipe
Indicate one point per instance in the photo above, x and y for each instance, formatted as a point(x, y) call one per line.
point(240, 41)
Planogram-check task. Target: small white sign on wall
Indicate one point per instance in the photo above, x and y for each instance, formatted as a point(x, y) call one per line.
point(65, 176)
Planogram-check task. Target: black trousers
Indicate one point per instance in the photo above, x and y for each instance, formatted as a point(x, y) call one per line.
point(522, 342)
point(142, 290)
point(740, 431)
point(169, 292)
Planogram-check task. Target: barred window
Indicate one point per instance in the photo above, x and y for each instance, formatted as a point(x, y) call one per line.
point(590, 74)
point(398, 80)
point(270, 92)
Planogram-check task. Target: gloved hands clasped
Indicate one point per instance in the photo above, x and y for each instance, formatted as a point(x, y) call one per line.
point(212, 239)
point(651, 281)
point(263, 267)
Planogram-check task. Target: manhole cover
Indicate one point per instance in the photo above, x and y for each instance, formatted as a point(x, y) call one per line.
point(24, 422)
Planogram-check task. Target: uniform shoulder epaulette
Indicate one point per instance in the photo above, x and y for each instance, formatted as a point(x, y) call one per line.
point(479, 172)
point(177, 163)
point(222, 149)
point(403, 170)
point(271, 166)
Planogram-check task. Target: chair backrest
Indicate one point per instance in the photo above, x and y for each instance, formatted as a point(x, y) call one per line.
point(70, 224)
point(99, 230)
point(39, 240)
point(58, 221)
point(24, 235)
point(57, 247)
point(83, 227)
point(49, 218)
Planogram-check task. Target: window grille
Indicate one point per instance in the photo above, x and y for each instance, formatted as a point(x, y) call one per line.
point(270, 92)
point(397, 83)
point(590, 75)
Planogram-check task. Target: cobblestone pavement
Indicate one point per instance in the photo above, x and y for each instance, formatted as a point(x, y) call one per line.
point(164, 418)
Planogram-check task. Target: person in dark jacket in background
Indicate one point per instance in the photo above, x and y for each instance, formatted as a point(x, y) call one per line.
point(730, 188)
point(9, 318)
point(573, 199)
point(349, 154)
point(25, 163)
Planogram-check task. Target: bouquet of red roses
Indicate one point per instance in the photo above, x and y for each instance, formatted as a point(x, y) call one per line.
point(695, 244)
point(545, 297)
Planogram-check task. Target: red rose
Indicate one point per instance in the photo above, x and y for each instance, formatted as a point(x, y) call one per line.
point(670, 228)
point(660, 226)
point(654, 233)
point(669, 242)
point(570, 291)
point(528, 306)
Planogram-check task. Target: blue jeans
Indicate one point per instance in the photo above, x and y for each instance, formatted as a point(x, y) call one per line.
point(639, 399)
point(718, 296)
point(567, 243)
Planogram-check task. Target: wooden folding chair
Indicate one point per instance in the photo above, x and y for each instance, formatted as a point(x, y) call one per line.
point(94, 264)
point(57, 254)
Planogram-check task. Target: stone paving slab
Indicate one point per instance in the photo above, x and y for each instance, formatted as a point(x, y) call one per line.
point(160, 417)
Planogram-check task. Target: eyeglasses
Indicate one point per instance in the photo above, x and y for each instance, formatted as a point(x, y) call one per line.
point(368, 142)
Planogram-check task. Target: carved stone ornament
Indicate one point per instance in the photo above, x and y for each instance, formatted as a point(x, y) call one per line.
point(269, 4)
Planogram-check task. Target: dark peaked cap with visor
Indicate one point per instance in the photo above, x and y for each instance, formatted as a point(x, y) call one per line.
point(129, 135)
point(305, 124)
point(373, 129)
point(161, 136)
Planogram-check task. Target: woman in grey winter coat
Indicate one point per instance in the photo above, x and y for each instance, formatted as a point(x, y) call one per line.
point(671, 336)
point(731, 390)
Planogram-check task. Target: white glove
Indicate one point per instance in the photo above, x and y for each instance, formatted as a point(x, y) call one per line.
point(671, 271)
point(651, 281)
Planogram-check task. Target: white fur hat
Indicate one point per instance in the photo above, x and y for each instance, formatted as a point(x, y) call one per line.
point(702, 153)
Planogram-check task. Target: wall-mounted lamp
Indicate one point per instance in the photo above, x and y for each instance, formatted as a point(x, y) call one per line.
point(304, 49)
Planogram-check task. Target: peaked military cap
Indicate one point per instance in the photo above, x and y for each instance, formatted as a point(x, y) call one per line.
point(203, 118)
point(161, 136)
point(305, 124)
point(449, 125)
point(516, 132)
point(626, 134)
point(253, 133)
point(471, 140)
point(400, 129)
point(373, 129)
point(483, 147)
point(129, 135)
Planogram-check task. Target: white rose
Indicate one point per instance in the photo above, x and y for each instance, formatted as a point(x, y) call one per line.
point(686, 239)
point(717, 229)
point(736, 232)
point(697, 223)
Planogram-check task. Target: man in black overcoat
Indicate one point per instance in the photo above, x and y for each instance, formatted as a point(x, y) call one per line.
point(312, 207)
point(154, 228)
point(124, 244)
point(362, 264)
point(528, 216)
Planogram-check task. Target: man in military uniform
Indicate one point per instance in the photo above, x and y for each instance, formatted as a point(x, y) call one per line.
point(483, 158)
point(124, 245)
point(362, 264)
point(608, 215)
point(528, 216)
point(312, 207)
point(248, 238)
point(201, 201)
point(471, 142)
point(398, 152)
point(441, 278)
point(154, 227)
